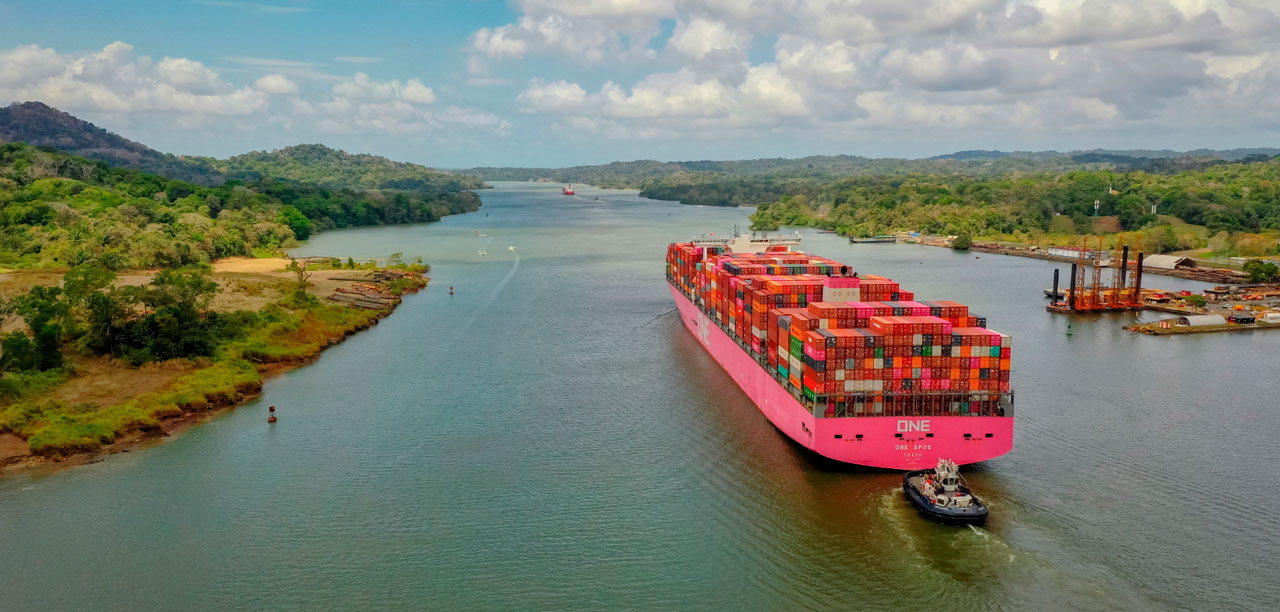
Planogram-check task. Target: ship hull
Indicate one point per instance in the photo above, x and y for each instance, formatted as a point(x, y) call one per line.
point(880, 444)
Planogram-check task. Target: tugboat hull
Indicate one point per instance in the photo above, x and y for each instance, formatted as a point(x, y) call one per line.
point(974, 514)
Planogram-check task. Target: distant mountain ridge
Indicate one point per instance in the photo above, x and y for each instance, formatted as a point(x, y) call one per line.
point(41, 125)
point(641, 174)
point(1223, 154)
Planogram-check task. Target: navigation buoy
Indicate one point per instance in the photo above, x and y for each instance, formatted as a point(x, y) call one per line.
point(450, 289)
point(1068, 329)
point(272, 418)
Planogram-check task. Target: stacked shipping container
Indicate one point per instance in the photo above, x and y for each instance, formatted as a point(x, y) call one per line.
point(859, 345)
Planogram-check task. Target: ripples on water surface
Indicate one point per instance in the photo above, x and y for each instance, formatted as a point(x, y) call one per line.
point(546, 438)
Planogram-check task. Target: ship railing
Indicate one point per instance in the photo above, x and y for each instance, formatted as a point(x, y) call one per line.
point(918, 403)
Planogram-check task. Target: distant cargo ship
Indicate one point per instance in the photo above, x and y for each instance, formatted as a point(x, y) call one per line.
point(567, 189)
point(850, 367)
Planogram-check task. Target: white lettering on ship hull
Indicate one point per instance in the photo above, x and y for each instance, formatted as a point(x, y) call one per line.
point(906, 425)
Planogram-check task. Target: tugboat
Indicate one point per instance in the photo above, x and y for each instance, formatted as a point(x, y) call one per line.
point(941, 495)
point(567, 189)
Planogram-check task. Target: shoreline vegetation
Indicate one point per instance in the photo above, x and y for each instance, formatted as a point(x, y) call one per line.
point(1210, 205)
point(93, 405)
point(132, 303)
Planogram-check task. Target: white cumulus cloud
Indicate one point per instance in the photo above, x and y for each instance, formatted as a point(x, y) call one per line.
point(547, 97)
point(113, 80)
point(700, 37)
point(848, 66)
point(276, 84)
point(361, 87)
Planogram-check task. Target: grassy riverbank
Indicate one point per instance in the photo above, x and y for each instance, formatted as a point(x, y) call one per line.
point(95, 402)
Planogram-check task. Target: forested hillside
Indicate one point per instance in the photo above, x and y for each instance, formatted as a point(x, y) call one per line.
point(1230, 199)
point(40, 125)
point(320, 165)
point(638, 174)
point(60, 210)
point(752, 181)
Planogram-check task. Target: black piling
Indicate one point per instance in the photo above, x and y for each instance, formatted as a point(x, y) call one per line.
point(1071, 297)
point(1137, 280)
point(1054, 297)
point(1124, 272)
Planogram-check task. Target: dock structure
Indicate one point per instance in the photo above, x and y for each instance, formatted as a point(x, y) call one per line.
point(1091, 291)
point(1171, 328)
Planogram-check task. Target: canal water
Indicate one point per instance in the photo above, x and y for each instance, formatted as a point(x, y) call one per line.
point(550, 437)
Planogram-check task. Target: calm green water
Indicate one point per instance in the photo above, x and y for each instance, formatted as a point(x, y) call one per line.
point(551, 438)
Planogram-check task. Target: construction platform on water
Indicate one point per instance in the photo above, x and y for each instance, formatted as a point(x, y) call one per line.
point(1094, 287)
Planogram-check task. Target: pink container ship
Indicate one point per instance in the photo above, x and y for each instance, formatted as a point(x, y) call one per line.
point(849, 366)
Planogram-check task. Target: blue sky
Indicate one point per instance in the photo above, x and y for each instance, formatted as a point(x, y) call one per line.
point(547, 83)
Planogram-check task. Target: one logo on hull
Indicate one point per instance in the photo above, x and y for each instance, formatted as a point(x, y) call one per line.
point(906, 425)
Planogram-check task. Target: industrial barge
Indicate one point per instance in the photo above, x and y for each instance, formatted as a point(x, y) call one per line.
point(849, 366)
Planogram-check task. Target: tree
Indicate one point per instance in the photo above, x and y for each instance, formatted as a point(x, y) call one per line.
point(1222, 244)
point(81, 283)
point(107, 320)
point(1160, 240)
point(190, 290)
point(962, 242)
point(1261, 271)
point(301, 274)
point(48, 347)
point(1084, 224)
point(296, 221)
point(39, 307)
point(17, 354)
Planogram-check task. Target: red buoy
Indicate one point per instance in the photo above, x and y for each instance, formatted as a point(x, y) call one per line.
point(272, 418)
